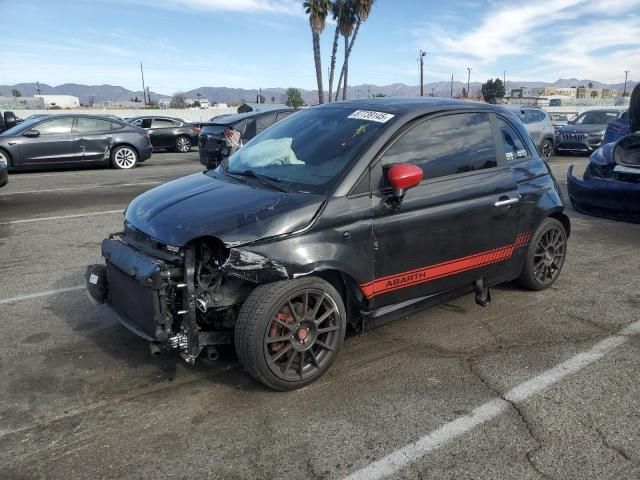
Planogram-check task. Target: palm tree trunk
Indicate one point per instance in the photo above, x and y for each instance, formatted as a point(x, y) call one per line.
point(316, 56)
point(345, 65)
point(334, 52)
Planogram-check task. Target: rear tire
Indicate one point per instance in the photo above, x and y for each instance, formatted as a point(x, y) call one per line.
point(288, 333)
point(545, 256)
point(124, 157)
point(183, 144)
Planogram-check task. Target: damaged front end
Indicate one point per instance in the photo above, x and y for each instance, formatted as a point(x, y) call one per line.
point(178, 298)
point(610, 186)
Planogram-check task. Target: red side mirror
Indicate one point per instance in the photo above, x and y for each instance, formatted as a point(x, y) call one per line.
point(403, 177)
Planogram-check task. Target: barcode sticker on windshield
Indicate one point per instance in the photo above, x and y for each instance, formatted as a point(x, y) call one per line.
point(379, 117)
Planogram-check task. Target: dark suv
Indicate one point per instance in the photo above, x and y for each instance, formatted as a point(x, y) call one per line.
point(223, 135)
point(352, 213)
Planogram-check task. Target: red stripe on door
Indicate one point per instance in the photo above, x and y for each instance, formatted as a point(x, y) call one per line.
point(440, 270)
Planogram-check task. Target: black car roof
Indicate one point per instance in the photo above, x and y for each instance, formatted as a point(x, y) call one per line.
point(411, 105)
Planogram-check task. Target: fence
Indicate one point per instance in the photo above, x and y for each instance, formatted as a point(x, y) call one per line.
point(199, 115)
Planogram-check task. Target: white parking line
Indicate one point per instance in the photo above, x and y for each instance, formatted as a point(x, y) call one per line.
point(403, 457)
point(87, 187)
point(30, 296)
point(61, 217)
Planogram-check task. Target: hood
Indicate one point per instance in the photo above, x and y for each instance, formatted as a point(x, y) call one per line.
point(200, 205)
point(582, 128)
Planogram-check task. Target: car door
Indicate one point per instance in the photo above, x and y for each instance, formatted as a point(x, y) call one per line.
point(163, 133)
point(458, 225)
point(48, 142)
point(93, 138)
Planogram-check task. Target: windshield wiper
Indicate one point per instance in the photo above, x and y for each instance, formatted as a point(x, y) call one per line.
point(266, 180)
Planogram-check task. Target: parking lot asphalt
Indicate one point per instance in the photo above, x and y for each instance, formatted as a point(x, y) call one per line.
point(537, 385)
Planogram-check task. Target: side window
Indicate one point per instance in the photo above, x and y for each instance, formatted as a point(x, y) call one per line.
point(282, 115)
point(87, 125)
point(447, 145)
point(162, 123)
point(265, 121)
point(57, 126)
point(143, 123)
point(514, 147)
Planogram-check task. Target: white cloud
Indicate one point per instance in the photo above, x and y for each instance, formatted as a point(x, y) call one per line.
point(553, 38)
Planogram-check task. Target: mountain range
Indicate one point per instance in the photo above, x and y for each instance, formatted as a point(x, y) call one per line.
point(100, 93)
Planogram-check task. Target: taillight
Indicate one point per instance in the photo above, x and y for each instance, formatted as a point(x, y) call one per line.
point(197, 130)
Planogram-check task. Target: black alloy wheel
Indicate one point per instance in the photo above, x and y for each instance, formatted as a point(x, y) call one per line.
point(289, 333)
point(545, 256)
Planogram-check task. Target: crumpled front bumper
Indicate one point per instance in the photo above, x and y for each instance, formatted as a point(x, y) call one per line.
point(604, 197)
point(136, 287)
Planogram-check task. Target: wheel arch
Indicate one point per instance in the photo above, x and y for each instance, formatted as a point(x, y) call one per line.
point(348, 289)
point(9, 157)
point(563, 218)
point(125, 144)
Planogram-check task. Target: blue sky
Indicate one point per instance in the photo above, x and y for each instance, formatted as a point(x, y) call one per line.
point(185, 44)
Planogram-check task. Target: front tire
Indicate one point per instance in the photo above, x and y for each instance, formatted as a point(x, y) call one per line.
point(547, 149)
point(545, 256)
point(124, 158)
point(288, 333)
point(183, 144)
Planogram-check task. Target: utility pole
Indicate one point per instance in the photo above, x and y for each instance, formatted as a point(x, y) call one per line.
point(421, 59)
point(144, 90)
point(626, 75)
point(38, 87)
point(148, 96)
point(452, 85)
point(468, 79)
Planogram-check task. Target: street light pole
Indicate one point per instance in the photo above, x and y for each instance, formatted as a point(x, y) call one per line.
point(452, 85)
point(468, 79)
point(421, 58)
point(626, 75)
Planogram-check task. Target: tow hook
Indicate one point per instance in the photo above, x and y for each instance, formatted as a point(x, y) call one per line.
point(483, 294)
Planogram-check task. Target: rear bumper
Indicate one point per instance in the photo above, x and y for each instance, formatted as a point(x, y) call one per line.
point(606, 198)
point(145, 153)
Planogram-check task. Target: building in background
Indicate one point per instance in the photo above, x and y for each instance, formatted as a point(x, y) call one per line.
point(59, 101)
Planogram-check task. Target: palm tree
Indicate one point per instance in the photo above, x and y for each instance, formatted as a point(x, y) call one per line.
point(346, 23)
point(317, 11)
point(336, 12)
point(358, 12)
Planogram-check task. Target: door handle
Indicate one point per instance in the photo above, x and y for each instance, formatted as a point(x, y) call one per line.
point(506, 202)
point(12, 143)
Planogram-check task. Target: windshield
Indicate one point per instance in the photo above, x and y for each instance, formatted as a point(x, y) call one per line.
point(309, 151)
point(596, 118)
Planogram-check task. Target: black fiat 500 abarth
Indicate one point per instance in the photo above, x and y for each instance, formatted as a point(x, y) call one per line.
point(351, 213)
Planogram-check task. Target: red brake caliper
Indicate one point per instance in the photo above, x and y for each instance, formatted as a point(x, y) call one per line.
point(277, 330)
